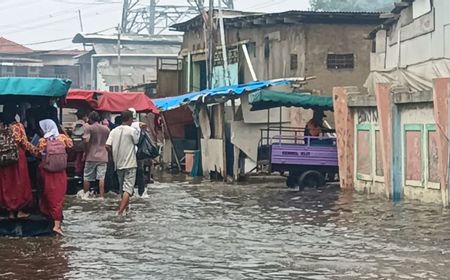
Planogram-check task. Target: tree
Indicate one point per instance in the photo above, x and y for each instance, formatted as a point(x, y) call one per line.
point(351, 5)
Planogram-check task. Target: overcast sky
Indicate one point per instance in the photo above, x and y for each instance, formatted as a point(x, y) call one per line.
point(33, 22)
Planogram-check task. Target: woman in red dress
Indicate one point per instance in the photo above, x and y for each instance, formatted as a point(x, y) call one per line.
point(54, 183)
point(15, 184)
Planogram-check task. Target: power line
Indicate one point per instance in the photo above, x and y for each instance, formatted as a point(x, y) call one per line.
point(74, 16)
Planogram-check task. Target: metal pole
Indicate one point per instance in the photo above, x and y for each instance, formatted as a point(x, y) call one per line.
point(119, 30)
point(125, 9)
point(81, 21)
point(174, 149)
point(249, 63)
point(224, 48)
point(152, 16)
point(93, 83)
point(210, 41)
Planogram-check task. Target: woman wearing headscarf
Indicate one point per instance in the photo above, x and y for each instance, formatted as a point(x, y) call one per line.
point(54, 183)
point(15, 184)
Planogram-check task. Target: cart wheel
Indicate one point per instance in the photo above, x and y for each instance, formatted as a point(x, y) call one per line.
point(311, 179)
point(291, 181)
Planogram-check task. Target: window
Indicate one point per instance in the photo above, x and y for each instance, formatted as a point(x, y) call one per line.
point(114, 88)
point(61, 72)
point(251, 47)
point(294, 62)
point(9, 69)
point(420, 156)
point(340, 61)
point(266, 48)
point(32, 69)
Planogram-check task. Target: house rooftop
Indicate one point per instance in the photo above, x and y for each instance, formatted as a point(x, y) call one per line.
point(288, 17)
point(81, 38)
point(10, 47)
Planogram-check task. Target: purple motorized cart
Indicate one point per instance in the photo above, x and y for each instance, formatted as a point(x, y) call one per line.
point(308, 161)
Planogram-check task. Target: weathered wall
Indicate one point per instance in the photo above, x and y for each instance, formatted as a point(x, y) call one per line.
point(271, 47)
point(212, 156)
point(369, 171)
point(169, 83)
point(421, 39)
point(340, 39)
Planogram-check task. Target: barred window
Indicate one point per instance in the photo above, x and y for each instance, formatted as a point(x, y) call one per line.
point(340, 61)
point(294, 62)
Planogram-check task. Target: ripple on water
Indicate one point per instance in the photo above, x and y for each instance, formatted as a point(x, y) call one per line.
point(215, 231)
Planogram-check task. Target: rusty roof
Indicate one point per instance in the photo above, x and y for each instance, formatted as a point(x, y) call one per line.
point(288, 17)
point(10, 47)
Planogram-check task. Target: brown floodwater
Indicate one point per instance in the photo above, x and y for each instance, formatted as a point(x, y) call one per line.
point(252, 231)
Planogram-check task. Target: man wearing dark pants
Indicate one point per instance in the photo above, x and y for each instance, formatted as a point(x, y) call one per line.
point(140, 173)
point(121, 144)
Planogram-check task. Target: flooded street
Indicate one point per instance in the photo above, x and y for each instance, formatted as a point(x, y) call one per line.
point(256, 231)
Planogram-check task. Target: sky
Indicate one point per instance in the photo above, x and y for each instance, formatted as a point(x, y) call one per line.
point(51, 24)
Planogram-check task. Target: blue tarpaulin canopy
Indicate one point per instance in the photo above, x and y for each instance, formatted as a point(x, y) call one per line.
point(228, 92)
point(42, 87)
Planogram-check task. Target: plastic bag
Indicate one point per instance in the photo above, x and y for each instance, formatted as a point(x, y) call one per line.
point(146, 148)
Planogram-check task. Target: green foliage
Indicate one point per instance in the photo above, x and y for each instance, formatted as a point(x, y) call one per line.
point(351, 5)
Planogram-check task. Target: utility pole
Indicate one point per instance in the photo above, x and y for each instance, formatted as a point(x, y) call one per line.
point(210, 42)
point(81, 21)
point(119, 31)
point(152, 17)
point(81, 26)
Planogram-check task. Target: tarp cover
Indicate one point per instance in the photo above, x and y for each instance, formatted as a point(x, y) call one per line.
point(119, 102)
point(80, 98)
point(226, 92)
point(264, 99)
point(43, 87)
point(114, 102)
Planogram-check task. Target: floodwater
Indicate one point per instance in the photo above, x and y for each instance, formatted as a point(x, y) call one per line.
point(254, 231)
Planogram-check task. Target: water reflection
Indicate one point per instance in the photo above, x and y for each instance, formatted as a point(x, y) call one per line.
point(256, 231)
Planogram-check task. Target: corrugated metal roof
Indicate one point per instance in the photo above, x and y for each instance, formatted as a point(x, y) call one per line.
point(127, 38)
point(294, 16)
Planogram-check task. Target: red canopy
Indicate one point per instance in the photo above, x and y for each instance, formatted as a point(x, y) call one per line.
point(114, 102)
point(82, 99)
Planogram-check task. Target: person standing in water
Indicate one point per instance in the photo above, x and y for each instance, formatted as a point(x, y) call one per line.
point(95, 136)
point(121, 144)
point(54, 181)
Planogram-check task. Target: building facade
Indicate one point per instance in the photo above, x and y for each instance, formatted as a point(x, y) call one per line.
point(331, 47)
point(134, 65)
point(394, 140)
point(19, 61)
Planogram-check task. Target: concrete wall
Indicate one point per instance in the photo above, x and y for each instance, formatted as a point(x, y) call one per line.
point(423, 38)
point(271, 47)
point(400, 142)
point(169, 83)
point(323, 39)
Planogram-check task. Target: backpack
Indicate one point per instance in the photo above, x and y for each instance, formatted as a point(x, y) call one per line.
point(77, 138)
point(9, 151)
point(55, 159)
